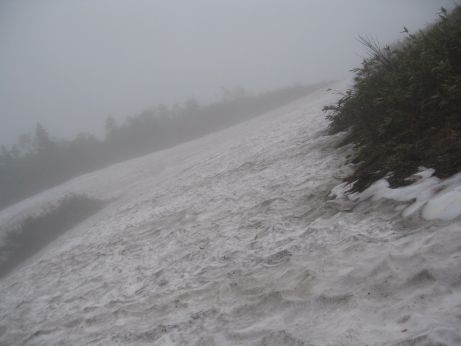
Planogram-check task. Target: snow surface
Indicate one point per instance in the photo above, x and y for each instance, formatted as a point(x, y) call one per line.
point(235, 239)
point(435, 198)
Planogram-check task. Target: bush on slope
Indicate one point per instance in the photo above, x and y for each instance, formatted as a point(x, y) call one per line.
point(404, 109)
point(37, 231)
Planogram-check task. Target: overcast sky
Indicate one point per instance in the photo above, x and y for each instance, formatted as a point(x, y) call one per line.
point(70, 63)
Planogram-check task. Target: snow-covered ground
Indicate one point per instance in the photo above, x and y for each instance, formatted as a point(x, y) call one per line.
point(233, 239)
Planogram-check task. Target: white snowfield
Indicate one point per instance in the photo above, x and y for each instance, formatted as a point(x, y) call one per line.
point(236, 239)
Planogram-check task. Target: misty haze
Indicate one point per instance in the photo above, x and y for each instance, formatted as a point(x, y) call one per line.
point(257, 172)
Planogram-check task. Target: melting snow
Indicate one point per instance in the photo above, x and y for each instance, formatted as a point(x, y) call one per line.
point(435, 198)
point(233, 239)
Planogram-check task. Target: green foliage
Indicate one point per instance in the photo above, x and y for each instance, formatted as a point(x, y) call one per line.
point(36, 231)
point(404, 110)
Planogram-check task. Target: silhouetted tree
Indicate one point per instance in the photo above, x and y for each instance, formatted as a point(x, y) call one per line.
point(111, 126)
point(43, 142)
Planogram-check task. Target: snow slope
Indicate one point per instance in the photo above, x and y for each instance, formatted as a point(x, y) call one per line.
point(232, 239)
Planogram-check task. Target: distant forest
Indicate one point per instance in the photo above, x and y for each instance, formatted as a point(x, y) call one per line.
point(38, 161)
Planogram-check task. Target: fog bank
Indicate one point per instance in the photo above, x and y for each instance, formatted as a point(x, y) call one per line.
point(68, 64)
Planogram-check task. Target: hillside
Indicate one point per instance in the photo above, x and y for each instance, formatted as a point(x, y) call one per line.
point(237, 239)
point(39, 161)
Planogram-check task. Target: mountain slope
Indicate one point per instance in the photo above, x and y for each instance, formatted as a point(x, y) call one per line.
point(232, 240)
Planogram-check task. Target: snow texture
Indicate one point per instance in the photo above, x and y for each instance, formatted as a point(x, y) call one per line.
point(434, 198)
point(236, 239)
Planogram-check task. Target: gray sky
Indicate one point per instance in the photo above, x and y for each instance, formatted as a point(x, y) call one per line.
point(70, 63)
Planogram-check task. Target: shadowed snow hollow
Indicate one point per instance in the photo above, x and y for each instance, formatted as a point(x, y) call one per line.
point(232, 240)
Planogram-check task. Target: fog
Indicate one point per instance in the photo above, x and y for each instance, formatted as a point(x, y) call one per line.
point(70, 64)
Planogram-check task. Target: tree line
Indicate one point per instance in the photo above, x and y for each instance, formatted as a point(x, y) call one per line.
point(38, 161)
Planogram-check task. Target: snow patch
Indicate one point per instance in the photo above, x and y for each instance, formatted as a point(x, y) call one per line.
point(231, 240)
point(434, 198)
